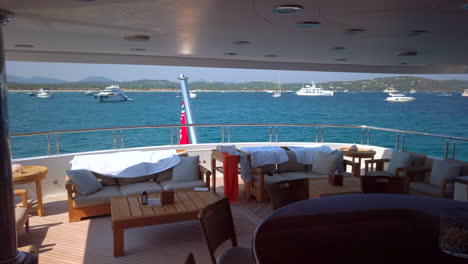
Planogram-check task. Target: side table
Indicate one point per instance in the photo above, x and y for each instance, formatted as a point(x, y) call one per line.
point(33, 174)
point(359, 154)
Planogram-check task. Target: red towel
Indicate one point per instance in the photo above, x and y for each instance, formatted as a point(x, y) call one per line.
point(230, 167)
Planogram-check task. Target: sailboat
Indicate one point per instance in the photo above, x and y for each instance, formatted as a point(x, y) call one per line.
point(277, 93)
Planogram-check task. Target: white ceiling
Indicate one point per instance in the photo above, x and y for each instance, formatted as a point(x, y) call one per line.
point(200, 32)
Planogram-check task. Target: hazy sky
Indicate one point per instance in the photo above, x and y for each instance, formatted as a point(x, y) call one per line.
point(78, 71)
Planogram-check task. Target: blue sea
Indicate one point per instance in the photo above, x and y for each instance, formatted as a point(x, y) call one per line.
point(429, 113)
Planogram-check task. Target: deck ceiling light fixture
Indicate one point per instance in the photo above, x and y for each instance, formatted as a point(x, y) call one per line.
point(342, 59)
point(307, 24)
point(27, 46)
point(407, 53)
point(354, 31)
point(230, 54)
point(241, 43)
point(138, 49)
point(287, 9)
point(270, 56)
point(137, 37)
point(415, 33)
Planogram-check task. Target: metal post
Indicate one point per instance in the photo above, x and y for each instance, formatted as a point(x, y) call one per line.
point(362, 136)
point(368, 137)
point(222, 134)
point(397, 141)
point(188, 109)
point(454, 144)
point(402, 142)
point(276, 136)
point(114, 139)
point(48, 144)
point(57, 144)
point(172, 136)
point(229, 135)
point(316, 134)
point(121, 139)
point(8, 252)
point(446, 148)
point(323, 134)
point(270, 134)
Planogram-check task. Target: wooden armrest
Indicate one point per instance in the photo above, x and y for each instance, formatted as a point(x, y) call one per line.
point(443, 186)
point(379, 164)
point(354, 167)
point(207, 173)
point(24, 196)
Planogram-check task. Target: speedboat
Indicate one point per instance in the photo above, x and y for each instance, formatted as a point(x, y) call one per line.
point(401, 98)
point(465, 93)
point(445, 94)
point(412, 91)
point(312, 90)
point(390, 90)
point(31, 94)
point(111, 93)
point(44, 94)
point(276, 94)
point(193, 95)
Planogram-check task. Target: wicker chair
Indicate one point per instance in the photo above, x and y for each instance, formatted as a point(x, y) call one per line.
point(286, 192)
point(218, 226)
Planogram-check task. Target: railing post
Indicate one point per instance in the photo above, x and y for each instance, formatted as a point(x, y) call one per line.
point(362, 136)
point(316, 134)
point(229, 134)
point(172, 136)
point(323, 134)
point(446, 148)
point(121, 139)
point(368, 136)
point(276, 136)
point(270, 134)
point(222, 134)
point(454, 144)
point(48, 145)
point(402, 142)
point(397, 141)
point(57, 144)
point(114, 139)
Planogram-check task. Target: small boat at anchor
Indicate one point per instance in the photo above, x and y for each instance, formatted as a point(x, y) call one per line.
point(45, 94)
point(400, 98)
point(112, 93)
point(312, 90)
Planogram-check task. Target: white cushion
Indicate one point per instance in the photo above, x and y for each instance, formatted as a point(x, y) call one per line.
point(138, 187)
point(187, 169)
point(441, 170)
point(325, 163)
point(400, 159)
point(185, 185)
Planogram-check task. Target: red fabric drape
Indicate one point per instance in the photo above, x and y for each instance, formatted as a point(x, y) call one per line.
point(231, 186)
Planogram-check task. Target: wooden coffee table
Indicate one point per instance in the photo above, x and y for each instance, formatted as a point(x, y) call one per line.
point(321, 187)
point(128, 212)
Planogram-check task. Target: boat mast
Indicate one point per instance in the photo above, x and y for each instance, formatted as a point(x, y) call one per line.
point(188, 108)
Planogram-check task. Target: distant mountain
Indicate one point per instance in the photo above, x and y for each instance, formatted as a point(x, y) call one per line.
point(97, 79)
point(33, 80)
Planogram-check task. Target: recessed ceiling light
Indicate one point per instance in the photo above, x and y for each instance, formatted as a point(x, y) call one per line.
point(417, 32)
point(230, 53)
point(464, 6)
point(342, 59)
point(307, 24)
point(287, 9)
point(138, 49)
point(407, 53)
point(338, 48)
point(270, 56)
point(241, 43)
point(354, 31)
point(28, 46)
point(137, 37)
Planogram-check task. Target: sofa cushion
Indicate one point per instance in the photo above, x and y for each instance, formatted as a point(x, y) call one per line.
point(164, 175)
point(268, 179)
point(21, 215)
point(340, 167)
point(268, 169)
point(187, 169)
point(106, 180)
point(315, 176)
point(294, 175)
point(325, 163)
point(400, 159)
point(291, 165)
point(130, 180)
point(441, 170)
point(425, 188)
point(103, 196)
point(418, 158)
point(185, 185)
point(84, 181)
point(138, 187)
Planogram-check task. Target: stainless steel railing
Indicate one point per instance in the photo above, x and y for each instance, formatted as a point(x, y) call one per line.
point(273, 134)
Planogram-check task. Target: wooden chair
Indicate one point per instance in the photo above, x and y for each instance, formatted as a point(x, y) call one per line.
point(22, 212)
point(385, 184)
point(218, 227)
point(190, 259)
point(286, 192)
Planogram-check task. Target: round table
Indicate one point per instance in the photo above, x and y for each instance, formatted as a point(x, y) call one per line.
point(359, 154)
point(33, 174)
point(355, 228)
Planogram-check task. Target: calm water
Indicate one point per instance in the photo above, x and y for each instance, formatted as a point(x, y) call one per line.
point(429, 113)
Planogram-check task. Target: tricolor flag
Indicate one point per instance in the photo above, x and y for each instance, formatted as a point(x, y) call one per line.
point(183, 137)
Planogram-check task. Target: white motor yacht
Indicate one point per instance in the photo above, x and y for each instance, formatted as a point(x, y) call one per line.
point(193, 95)
point(390, 90)
point(465, 93)
point(112, 93)
point(401, 98)
point(312, 90)
point(45, 94)
point(412, 91)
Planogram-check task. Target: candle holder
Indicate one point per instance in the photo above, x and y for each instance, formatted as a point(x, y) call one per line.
point(453, 238)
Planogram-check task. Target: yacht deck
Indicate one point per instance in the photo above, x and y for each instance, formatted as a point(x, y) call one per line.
point(90, 240)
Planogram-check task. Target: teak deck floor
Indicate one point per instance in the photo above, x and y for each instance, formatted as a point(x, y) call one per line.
point(90, 240)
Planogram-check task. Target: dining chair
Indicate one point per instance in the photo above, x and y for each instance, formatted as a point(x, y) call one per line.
point(286, 192)
point(218, 227)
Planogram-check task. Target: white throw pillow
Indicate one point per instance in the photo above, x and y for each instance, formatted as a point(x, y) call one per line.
point(442, 169)
point(325, 163)
point(400, 159)
point(187, 169)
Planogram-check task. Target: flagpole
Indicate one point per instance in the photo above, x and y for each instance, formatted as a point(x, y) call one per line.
point(188, 108)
